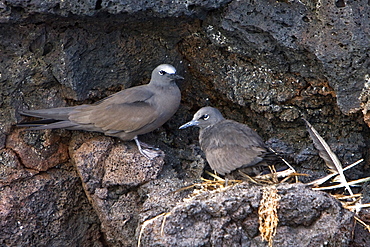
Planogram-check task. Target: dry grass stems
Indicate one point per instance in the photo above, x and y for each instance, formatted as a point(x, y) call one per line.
point(351, 202)
point(267, 213)
point(147, 222)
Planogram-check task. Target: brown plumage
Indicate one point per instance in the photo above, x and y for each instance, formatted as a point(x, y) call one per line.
point(227, 144)
point(126, 114)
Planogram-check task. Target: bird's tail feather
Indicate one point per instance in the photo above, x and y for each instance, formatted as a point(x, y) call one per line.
point(60, 113)
point(48, 124)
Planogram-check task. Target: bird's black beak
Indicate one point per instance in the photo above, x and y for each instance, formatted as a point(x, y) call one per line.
point(176, 77)
point(188, 124)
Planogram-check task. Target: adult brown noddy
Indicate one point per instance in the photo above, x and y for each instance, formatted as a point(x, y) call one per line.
point(126, 114)
point(227, 144)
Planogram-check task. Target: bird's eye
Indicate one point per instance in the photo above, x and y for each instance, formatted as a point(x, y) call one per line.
point(205, 117)
point(162, 72)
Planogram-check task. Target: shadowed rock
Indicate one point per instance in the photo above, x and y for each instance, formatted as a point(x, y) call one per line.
point(229, 218)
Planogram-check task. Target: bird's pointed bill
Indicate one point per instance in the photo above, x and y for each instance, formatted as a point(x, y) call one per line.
point(188, 124)
point(176, 77)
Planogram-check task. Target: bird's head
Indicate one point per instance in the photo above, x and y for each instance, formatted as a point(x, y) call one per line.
point(164, 74)
point(204, 117)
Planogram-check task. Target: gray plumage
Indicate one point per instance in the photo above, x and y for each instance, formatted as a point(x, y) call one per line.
point(126, 114)
point(227, 144)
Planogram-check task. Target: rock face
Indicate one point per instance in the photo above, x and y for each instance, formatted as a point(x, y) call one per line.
point(263, 63)
point(47, 209)
point(110, 173)
point(228, 218)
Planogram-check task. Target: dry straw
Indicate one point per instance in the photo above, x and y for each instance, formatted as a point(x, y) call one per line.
point(267, 213)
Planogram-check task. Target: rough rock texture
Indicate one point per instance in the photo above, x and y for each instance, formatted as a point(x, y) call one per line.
point(110, 173)
point(39, 151)
point(164, 8)
point(47, 209)
point(228, 218)
point(264, 63)
point(334, 37)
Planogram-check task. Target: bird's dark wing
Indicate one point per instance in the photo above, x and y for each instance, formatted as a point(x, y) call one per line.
point(129, 95)
point(128, 110)
point(229, 145)
point(229, 132)
point(228, 158)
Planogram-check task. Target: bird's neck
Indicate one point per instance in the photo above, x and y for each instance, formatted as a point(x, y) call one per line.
point(161, 84)
point(208, 127)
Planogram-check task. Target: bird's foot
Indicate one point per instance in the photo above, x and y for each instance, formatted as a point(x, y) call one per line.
point(151, 153)
point(147, 146)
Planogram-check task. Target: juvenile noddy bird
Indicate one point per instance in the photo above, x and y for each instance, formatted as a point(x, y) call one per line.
point(227, 144)
point(126, 114)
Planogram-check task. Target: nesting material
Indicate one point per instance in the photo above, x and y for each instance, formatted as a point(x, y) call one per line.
point(267, 213)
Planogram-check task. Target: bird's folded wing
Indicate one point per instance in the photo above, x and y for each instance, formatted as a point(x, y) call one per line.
point(231, 133)
point(126, 117)
point(228, 158)
point(129, 95)
point(128, 110)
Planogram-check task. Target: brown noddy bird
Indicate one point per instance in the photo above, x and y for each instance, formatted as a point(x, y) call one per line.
point(227, 144)
point(126, 114)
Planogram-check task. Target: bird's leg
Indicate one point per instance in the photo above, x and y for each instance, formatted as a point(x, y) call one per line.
point(148, 153)
point(228, 177)
point(145, 145)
